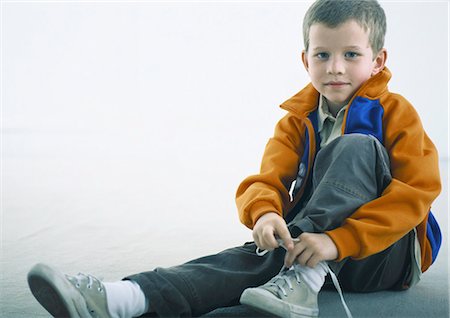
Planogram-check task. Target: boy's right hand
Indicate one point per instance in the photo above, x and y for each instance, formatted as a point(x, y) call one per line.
point(265, 229)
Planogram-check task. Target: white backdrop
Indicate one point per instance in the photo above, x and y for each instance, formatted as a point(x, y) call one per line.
point(188, 75)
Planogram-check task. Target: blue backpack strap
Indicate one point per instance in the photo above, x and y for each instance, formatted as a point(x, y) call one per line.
point(434, 236)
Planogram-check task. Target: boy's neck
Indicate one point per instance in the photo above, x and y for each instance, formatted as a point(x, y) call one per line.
point(332, 107)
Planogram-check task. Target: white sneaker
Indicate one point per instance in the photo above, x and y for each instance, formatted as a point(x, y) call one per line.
point(288, 294)
point(285, 295)
point(68, 296)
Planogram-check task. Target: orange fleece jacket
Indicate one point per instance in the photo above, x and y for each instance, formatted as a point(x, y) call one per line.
point(376, 225)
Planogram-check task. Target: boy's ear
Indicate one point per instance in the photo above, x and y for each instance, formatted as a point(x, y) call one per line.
point(379, 61)
point(305, 60)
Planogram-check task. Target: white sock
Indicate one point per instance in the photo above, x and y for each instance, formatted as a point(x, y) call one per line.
point(314, 277)
point(125, 299)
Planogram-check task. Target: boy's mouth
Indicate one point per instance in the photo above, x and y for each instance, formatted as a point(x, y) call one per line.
point(336, 84)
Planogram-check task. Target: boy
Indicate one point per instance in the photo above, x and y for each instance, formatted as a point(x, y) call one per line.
point(345, 183)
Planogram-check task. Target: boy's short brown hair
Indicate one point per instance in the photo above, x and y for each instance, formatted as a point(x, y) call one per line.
point(332, 13)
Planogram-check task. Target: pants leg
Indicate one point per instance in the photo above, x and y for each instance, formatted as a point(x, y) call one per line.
point(389, 269)
point(349, 172)
point(207, 283)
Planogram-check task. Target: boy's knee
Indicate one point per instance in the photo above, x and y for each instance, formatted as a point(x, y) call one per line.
point(360, 145)
point(357, 146)
point(356, 142)
point(364, 147)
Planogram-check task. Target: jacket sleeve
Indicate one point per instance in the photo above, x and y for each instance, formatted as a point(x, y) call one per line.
point(268, 191)
point(406, 200)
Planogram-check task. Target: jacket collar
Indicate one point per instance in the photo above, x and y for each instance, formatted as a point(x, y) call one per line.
point(307, 99)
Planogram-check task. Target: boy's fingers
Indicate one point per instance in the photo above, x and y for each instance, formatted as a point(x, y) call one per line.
point(313, 261)
point(292, 255)
point(269, 239)
point(305, 257)
point(285, 236)
point(289, 259)
point(256, 239)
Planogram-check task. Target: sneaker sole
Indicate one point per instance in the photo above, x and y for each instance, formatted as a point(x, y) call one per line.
point(57, 295)
point(266, 302)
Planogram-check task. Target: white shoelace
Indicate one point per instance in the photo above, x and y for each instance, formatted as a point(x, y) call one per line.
point(339, 290)
point(282, 277)
point(260, 252)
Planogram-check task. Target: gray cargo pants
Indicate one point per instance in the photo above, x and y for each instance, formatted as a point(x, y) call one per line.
point(350, 171)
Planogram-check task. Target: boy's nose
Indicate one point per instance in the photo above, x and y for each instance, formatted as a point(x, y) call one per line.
point(336, 66)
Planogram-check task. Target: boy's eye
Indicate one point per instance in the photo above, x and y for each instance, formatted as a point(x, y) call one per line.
point(351, 55)
point(322, 55)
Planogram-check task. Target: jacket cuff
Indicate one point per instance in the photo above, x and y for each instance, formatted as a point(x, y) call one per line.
point(260, 208)
point(346, 242)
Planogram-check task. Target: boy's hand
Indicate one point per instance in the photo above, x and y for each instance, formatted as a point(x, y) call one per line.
point(312, 249)
point(265, 229)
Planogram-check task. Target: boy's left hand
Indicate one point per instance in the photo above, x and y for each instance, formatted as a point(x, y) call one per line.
point(312, 249)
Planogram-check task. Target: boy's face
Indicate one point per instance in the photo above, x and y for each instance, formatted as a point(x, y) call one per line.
point(339, 60)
